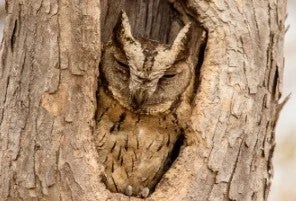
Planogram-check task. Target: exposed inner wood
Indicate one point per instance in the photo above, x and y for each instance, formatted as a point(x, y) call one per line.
point(152, 19)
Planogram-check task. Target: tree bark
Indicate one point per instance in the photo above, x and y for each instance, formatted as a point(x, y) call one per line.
point(48, 76)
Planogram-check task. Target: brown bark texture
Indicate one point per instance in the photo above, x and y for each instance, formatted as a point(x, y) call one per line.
point(50, 55)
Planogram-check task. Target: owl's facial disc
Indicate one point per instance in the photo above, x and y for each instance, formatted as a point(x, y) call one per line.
point(152, 85)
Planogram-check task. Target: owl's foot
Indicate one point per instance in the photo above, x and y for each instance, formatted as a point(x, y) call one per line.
point(129, 190)
point(145, 192)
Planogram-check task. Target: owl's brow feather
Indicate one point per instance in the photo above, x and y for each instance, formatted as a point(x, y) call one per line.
point(124, 38)
point(152, 57)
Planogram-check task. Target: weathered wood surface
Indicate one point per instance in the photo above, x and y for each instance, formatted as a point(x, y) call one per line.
point(48, 77)
point(149, 19)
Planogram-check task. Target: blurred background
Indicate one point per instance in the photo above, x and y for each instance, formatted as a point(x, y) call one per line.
point(284, 161)
point(284, 182)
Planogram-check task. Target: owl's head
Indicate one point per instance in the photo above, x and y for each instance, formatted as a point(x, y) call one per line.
point(143, 75)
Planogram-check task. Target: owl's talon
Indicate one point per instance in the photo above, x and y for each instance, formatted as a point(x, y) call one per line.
point(129, 190)
point(145, 192)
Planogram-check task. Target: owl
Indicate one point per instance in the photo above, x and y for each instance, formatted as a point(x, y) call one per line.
point(143, 106)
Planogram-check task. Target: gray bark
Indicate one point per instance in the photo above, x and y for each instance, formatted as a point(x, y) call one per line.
point(48, 77)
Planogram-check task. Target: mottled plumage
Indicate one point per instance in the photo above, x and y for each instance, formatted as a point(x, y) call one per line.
point(143, 105)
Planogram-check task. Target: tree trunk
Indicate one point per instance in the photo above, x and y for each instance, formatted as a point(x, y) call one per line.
point(48, 76)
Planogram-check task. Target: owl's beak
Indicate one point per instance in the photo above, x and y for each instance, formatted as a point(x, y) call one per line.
point(138, 98)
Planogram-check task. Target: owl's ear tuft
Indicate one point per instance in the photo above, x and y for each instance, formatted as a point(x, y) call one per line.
point(122, 31)
point(180, 45)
